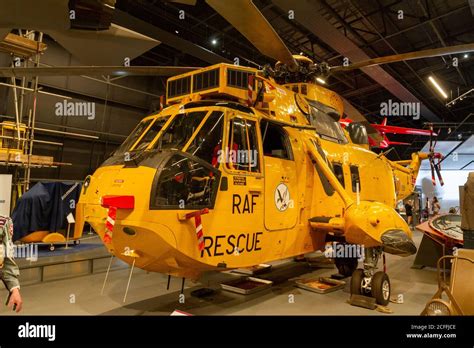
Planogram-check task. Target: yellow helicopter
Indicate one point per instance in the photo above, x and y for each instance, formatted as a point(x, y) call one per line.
point(246, 166)
point(212, 184)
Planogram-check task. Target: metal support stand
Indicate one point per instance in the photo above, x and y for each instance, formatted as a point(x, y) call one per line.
point(169, 280)
point(129, 279)
point(182, 285)
point(33, 119)
point(17, 111)
point(67, 235)
point(107, 274)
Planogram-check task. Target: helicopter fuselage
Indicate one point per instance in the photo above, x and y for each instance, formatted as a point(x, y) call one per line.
point(216, 185)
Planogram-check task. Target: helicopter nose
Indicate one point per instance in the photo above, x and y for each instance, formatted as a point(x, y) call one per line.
point(397, 242)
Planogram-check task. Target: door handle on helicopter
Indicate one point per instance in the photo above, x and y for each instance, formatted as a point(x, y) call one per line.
point(255, 189)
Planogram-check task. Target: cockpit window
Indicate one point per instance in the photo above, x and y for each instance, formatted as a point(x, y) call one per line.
point(325, 119)
point(151, 133)
point(207, 143)
point(133, 137)
point(185, 183)
point(180, 130)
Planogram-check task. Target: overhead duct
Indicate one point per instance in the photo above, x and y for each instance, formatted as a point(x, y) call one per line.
point(35, 15)
point(96, 47)
point(126, 20)
point(104, 47)
point(92, 14)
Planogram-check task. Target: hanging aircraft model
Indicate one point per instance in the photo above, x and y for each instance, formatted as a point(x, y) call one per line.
point(248, 166)
point(383, 128)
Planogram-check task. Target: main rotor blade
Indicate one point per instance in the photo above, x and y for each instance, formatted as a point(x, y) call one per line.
point(96, 71)
point(434, 52)
point(250, 22)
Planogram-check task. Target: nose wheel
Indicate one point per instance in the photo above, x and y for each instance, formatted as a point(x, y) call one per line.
point(367, 282)
point(381, 288)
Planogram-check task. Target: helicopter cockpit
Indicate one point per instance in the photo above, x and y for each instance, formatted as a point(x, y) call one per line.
point(189, 177)
point(195, 132)
point(184, 147)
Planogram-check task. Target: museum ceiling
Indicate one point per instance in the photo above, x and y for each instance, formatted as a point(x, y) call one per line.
point(391, 27)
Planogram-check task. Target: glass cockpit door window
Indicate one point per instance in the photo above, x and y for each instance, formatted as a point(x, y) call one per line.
point(242, 150)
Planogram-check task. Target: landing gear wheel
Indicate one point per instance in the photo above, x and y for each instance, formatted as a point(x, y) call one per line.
point(381, 288)
point(356, 282)
point(51, 247)
point(346, 266)
point(77, 242)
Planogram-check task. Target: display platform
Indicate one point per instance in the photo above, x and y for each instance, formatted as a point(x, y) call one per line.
point(38, 263)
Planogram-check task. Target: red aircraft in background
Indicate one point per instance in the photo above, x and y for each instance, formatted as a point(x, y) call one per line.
point(383, 128)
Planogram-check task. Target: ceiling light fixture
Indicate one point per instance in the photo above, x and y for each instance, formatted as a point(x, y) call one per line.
point(438, 87)
point(214, 42)
point(320, 80)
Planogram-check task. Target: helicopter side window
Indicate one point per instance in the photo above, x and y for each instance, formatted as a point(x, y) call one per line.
point(325, 119)
point(276, 142)
point(358, 133)
point(133, 137)
point(338, 172)
point(355, 178)
point(241, 152)
point(151, 133)
point(304, 89)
